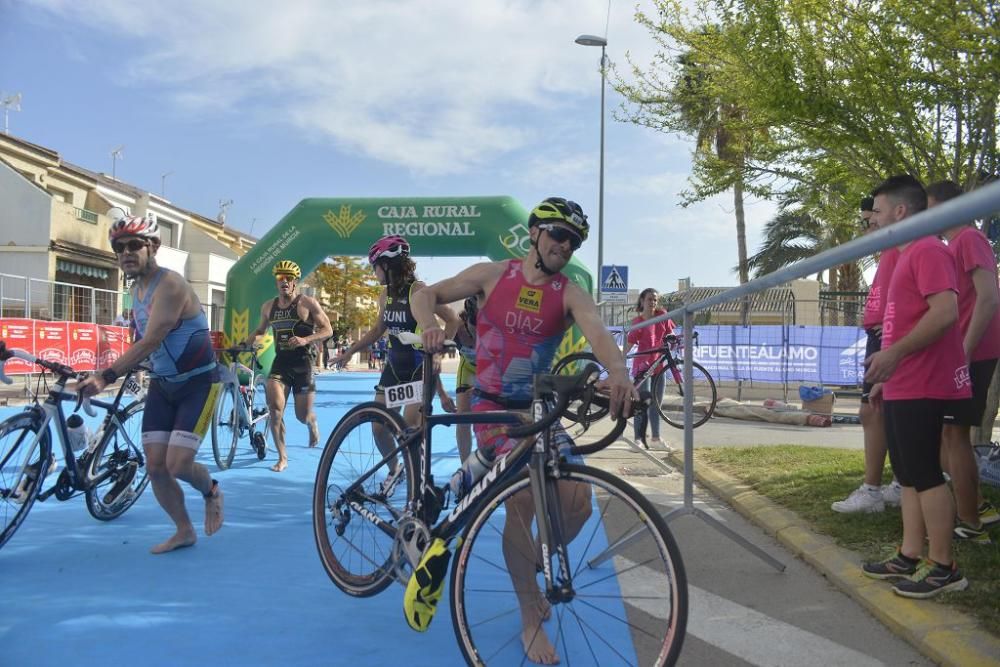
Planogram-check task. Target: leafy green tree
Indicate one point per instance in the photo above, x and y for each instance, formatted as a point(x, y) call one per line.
point(352, 293)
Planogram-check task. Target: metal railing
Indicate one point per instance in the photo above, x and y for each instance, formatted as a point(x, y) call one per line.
point(85, 215)
point(57, 301)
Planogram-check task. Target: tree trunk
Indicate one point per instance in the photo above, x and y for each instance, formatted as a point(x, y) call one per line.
point(741, 246)
point(984, 432)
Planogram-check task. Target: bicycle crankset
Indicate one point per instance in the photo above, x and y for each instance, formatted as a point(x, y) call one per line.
point(411, 541)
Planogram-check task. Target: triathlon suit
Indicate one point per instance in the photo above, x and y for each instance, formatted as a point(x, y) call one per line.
point(466, 340)
point(185, 377)
point(292, 366)
point(404, 363)
point(518, 330)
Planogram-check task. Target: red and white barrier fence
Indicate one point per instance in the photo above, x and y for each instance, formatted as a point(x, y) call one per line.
point(84, 346)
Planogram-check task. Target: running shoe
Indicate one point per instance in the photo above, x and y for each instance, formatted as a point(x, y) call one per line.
point(988, 514)
point(892, 494)
point(930, 580)
point(861, 500)
point(969, 533)
point(897, 566)
point(423, 591)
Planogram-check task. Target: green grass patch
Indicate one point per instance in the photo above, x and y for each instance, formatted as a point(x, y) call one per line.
point(806, 480)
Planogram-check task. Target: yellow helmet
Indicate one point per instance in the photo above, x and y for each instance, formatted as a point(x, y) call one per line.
point(287, 267)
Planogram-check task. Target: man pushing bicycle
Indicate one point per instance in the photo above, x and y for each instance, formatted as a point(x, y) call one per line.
point(526, 306)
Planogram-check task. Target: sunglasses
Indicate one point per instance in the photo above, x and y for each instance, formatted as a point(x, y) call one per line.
point(133, 245)
point(561, 235)
point(286, 277)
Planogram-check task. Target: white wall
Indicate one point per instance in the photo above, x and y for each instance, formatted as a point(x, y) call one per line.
point(25, 211)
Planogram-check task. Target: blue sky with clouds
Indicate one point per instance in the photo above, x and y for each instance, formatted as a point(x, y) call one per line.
point(268, 103)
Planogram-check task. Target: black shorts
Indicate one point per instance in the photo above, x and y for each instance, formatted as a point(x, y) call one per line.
point(294, 373)
point(913, 434)
point(969, 412)
point(393, 375)
point(179, 413)
point(873, 345)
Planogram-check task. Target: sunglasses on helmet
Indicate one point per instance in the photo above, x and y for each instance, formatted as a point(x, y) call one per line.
point(132, 245)
point(561, 235)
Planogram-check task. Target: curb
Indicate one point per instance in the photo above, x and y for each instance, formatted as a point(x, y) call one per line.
point(941, 633)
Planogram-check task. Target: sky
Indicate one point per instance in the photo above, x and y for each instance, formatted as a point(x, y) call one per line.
point(266, 104)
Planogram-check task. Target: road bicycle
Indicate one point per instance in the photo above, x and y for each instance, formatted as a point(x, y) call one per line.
point(667, 386)
point(241, 409)
point(110, 472)
point(608, 599)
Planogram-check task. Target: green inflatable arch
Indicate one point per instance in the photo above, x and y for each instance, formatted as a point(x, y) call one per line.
point(494, 227)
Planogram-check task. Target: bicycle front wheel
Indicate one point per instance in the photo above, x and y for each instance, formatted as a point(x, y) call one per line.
point(668, 388)
point(355, 528)
point(121, 457)
point(22, 469)
point(624, 600)
point(226, 426)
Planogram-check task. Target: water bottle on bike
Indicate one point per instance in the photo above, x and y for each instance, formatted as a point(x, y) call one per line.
point(471, 472)
point(79, 438)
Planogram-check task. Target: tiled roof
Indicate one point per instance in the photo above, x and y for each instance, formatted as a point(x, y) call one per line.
point(771, 300)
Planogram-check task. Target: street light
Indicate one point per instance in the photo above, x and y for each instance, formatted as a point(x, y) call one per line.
point(594, 40)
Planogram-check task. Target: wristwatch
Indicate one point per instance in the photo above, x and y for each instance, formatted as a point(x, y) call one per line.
point(109, 376)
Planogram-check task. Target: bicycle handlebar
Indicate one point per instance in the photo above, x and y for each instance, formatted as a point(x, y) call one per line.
point(410, 338)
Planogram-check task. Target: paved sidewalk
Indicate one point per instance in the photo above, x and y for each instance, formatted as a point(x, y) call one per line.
point(939, 632)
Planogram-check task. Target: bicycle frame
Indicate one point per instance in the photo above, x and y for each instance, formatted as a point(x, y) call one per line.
point(52, 414)
point(246, 419)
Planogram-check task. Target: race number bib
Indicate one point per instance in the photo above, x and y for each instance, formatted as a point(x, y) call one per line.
point(404, 394)
point(134, 387)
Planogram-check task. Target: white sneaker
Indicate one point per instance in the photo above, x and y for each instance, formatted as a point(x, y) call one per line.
point(892, 494)
point(860, 500)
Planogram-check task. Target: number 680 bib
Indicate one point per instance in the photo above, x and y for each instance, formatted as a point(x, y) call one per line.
point(404, 394)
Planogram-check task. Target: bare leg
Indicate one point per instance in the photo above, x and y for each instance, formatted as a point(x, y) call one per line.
point(958, 456)
point(522, 555)
point(914, 529)
point(873, 427)
point(180, 463)
point(305, 414)
point(939, 517)
point(277, 395)
point(171, 498)
point(463, 432)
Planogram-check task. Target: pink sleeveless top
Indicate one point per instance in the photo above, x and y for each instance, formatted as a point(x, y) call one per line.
point(518, 330)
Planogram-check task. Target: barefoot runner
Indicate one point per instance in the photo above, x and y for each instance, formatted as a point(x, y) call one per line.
point(172, 331)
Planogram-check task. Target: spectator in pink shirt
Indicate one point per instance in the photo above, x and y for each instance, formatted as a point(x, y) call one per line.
point(979, 318)
point(648, 338)
point(921, 378)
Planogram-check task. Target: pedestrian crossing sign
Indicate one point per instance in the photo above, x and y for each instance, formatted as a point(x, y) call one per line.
point(614, 284)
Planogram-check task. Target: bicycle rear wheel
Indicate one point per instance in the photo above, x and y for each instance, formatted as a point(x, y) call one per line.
point(625, 605)
point(22, 470)
point(122, 457)
point(671, 388)
point(226, 426)
point(355, 530)
point(572, 364)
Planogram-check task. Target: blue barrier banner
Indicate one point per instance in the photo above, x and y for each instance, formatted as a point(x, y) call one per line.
point(831, 355)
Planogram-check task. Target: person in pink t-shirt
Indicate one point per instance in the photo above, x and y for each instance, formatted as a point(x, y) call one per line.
point(648, 338)
point(871, 496)
point(922, 379)
point(979, 318)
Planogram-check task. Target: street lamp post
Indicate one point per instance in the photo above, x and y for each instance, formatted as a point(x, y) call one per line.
point(594, 40)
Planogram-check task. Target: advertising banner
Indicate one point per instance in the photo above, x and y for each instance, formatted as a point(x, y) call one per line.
point(18, 334)
point(832, 355)
point(81, 345)
point(51, 343)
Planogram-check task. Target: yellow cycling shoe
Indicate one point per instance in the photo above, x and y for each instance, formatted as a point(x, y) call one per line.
point(426, 585)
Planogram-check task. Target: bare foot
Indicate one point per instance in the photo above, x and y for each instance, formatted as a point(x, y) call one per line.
point(543, 607)
point(213, 511)
point(279, 466)
point(178, 540)
point(537, 646)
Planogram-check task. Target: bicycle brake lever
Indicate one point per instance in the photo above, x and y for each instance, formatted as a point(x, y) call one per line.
point(84, 402)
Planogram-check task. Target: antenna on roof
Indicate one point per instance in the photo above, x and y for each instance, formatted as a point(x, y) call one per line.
point(116, 154)
point(9, 103)
point(224, 204)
